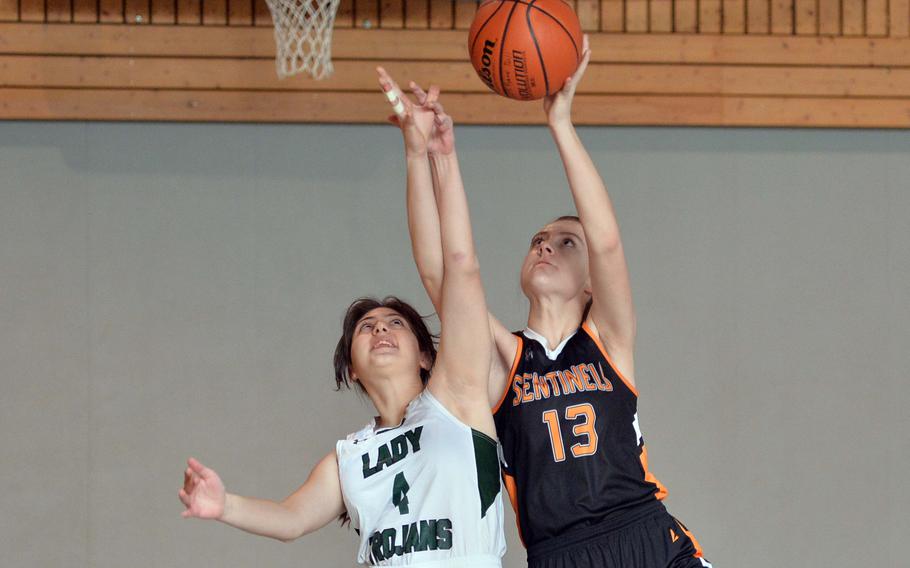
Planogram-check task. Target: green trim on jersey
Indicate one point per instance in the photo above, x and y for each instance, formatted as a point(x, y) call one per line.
point(486, 459)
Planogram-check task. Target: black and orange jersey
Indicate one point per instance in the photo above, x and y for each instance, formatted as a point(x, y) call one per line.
point(573, 455)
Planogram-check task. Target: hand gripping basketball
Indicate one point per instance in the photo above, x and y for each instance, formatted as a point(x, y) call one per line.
point(558, 106)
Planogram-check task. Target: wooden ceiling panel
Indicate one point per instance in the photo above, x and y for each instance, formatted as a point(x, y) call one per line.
point(843, 63)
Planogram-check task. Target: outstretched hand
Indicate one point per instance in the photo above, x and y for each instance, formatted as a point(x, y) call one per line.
point(203, 492)
point(441, 139)
point(425, 126)
point(559, 105)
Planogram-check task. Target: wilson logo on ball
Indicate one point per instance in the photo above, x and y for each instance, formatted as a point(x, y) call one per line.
point(486, 59)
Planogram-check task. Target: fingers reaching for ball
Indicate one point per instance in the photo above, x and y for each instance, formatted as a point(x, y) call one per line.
point(442, 140)
point(442, 120)
point(414, 116)
point(424, 98)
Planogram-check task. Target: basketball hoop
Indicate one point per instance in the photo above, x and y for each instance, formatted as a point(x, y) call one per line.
point(303, 36)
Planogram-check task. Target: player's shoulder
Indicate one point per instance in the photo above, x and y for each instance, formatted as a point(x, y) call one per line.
point(619, 358)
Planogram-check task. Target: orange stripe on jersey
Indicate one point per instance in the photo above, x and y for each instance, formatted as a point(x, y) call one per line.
point(509, 482)
point(511, 375)
point(649, 477)
point(603, 351)
point(698, 551)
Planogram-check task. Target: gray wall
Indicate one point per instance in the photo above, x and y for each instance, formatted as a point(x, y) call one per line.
point(175, 290)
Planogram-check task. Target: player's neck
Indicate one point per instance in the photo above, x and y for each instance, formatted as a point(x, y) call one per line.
point(391, 398)
point(554, 320)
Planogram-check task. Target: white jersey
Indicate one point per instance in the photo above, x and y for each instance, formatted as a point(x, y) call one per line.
point(425, 493)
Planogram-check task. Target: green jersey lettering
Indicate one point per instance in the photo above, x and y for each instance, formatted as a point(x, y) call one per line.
point(431, 534)
point(393, 452)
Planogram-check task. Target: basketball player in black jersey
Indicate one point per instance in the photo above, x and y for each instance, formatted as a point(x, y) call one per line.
point(563, 390)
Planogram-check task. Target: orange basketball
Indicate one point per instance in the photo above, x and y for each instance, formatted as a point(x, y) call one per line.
point(525, 49)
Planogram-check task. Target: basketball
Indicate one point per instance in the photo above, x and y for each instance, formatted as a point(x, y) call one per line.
point(525, 49)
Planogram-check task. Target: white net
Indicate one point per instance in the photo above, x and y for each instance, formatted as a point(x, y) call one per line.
point(303, 36)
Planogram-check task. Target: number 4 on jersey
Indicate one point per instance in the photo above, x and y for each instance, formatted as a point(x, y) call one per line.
point(586, 429)
point(400, 490)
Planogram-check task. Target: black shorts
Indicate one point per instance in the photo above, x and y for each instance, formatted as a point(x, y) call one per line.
point(656, 541)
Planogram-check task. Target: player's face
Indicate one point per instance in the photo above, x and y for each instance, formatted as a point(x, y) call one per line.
point(383, 343)
point(557, 261)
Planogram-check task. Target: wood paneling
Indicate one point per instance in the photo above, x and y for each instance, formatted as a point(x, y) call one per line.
point(612, 15)
point(829, 17)
point(709, 16)
point(854, 16)
point(782, 17)
point(734, 16)
point(137, 11)
point(189, 12)
point(431, 45)
point(391, 14)
point(759, 16)
point(240, 12)
point(31, 10)
point(164, 12)
point(806, 15)
point(168, 73)
point(9, 10)
point(588, 14)
point(58, 10)
point(661, 16)
point(865, 18)
point(899, 18)
point(344, 17)
point(366, 14)
point(417, 14)
point(214, 12)
point(876, 18)
point(441, 17)
point(636, 16)
point(465, 10)
point(86, 11)
point(843, 63)
point(262, 16)
point(111, 11)
point(685, 16)
point(279, 106)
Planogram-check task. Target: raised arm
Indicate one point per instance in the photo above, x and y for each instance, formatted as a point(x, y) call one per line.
point(312, 506)
point(612, 311)
point(462, 370)
point(423, 216)
point(460, 376)
point(424, 139)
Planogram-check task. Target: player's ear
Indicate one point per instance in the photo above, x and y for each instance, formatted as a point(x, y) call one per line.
point(426, 363)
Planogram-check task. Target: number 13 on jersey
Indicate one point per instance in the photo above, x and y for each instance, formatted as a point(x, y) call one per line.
point(584, 417)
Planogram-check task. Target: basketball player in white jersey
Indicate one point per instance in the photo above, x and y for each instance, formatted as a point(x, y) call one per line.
point(420, 483)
